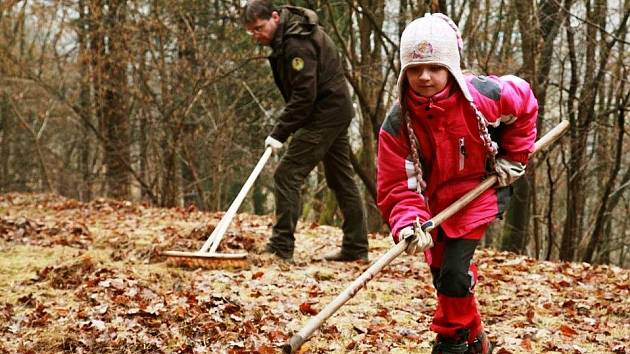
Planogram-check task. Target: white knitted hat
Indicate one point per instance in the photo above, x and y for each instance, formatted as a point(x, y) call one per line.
point(432, 39)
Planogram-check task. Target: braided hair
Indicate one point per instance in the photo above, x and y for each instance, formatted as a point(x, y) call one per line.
point(414, 146)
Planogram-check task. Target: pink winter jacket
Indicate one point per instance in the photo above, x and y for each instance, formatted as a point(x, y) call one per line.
point(451, 152)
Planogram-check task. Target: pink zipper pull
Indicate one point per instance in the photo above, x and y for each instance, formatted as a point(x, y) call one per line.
point(462, 153)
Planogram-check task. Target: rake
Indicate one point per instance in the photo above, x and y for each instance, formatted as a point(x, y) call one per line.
point(207, 256)
point(296, 341)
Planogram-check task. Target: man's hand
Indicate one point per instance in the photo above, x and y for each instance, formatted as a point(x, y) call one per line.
point(420, 240)
point(272, 143)
point(508, 171)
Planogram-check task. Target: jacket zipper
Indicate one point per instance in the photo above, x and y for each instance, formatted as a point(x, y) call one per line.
point(462, 153)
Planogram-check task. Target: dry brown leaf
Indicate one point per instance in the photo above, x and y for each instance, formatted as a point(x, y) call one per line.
point(567, 330)
point(307, 309)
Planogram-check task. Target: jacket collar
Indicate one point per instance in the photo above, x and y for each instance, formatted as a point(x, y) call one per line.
point(276, 42)
point(440, 101)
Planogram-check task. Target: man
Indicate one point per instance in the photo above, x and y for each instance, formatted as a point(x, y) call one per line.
point(307, 69)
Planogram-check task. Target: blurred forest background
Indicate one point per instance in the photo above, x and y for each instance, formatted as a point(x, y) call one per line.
point(168, 102)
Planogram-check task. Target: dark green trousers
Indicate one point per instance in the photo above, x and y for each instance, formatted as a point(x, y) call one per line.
point(307, 148)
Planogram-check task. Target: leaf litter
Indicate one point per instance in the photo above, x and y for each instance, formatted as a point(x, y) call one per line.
point(87, 277)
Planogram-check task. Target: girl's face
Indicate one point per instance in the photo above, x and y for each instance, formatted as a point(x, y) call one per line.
point(427, 79)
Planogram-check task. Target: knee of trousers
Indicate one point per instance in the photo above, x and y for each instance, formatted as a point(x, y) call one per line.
point(454, 283)
point(282, 175)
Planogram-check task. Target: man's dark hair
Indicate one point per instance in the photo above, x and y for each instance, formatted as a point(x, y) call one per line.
point(257, 9)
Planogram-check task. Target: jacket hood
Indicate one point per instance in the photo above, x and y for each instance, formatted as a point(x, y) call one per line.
point(298, 21)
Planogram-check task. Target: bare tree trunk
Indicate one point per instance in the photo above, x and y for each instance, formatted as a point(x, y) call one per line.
point(517, 217)
point(505, 54)
point(402, 18)
point(143, 147)
point(115, 119)
point(550, 20)
point(188, 73)
point(571, 225)
point(370, 83)
point(575, 197)
point(624, 231)
point(469, 32)
point(84, 104)
point(46, 179)
point(169, 145)
point(221, 151)
point(536, 219)
point(10, 171)
point(603, 211)
point(551, 232)
point(109, 82)
point(575, 202)
point(5, 143)
point(536, 68)
point(172, 177)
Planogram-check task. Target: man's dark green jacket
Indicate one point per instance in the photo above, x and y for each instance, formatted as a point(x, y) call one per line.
point(307, 69)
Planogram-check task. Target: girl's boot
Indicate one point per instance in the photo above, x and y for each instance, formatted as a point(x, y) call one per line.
point(452, 345)
point(481, 345)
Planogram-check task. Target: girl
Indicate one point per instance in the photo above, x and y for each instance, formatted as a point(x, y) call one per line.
point(434, 146)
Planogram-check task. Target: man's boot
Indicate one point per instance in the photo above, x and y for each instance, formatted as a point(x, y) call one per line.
point(452, 345)
point(340, 256)
point(481, 345)
point(285, 256)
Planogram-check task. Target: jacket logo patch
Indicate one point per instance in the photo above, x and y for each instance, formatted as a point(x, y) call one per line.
point(423, 50)
point(297, 63)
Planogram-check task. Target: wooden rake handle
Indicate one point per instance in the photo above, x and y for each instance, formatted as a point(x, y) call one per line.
point(299, 338)
point(212, 242)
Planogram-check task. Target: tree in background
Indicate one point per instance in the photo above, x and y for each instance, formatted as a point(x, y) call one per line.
point(110, 39)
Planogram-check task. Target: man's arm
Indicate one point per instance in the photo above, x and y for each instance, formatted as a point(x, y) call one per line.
point(301, 58)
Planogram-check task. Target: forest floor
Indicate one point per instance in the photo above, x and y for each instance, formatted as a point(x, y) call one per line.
point(87, 278)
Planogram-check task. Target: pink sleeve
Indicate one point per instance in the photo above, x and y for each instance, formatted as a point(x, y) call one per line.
point(509, 100)
point(397, 197)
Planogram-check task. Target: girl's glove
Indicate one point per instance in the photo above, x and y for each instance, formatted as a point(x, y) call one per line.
point(508, 171)
point(418, 239)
